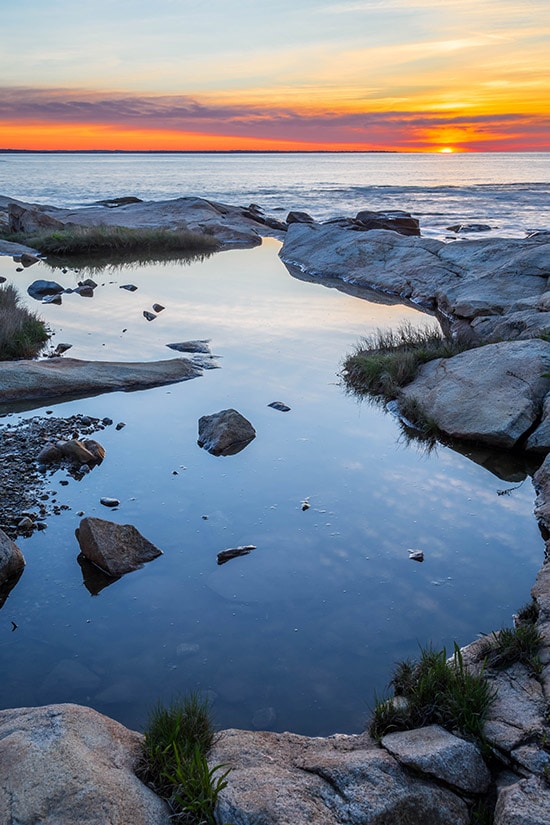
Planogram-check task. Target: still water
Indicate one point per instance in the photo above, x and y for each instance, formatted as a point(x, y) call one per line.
point(300, 634)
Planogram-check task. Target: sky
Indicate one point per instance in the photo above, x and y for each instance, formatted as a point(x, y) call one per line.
point(357, 75)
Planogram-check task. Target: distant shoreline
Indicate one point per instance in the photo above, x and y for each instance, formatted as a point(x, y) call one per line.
point(200, 152)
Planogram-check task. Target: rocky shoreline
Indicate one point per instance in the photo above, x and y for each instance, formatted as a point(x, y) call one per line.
point(492, 291)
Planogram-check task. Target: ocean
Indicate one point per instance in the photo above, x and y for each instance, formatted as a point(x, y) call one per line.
point(509, 192)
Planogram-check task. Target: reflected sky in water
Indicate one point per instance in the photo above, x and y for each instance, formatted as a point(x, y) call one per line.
point(300, 633)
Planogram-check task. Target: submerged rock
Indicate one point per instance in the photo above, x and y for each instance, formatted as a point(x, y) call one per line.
point(235, 552)
point(114, 548)
point(225, 433)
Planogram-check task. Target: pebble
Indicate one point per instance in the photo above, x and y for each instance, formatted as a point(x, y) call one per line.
point(109, 502)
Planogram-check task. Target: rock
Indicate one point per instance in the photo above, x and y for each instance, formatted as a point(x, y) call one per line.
point(539, 440)
point(41, 289)
point(88, 282)
point(416, 555)
point(436, 752)
point(52, 299)
point(109, 502)
point(517, 715)
point(61, 348)
point(11, 559)
point(74, 450)
point(121, 201)
point(397, 221)
point(278, 405)
point(25, 524)
point(23, 219)
point(523, 803)
point(56, 377)
point(299, 217)
point(491, 285)
point(493, 394)
point(469, 227)
point(158, 307)
point(281, 778)
point(96, 450)
point(235, 552)
point(27, 259)
point(62, 764)
point(84, 291)
point(192, 346)
point(50, 454)
point(129, 287)
point(225, 433)
point(120, 426)
point(149, 316)
point(114, 548)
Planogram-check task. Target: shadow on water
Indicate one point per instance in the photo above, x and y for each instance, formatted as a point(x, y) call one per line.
point(88, 266)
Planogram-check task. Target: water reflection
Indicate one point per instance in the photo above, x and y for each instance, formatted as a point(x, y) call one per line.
point(307, 626)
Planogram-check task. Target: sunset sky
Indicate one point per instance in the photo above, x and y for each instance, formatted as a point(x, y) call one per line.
point(409, 75)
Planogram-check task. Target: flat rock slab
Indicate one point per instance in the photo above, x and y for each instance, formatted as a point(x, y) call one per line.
point(518, 713)
point(63, 764)
point(225, 433)
point(436, 752)
point(282, 778)
point(56, 377)
point(114, 548)
point(493, 394)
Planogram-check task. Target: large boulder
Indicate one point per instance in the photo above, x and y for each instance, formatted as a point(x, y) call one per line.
point(493, 394)
point(56, 377)
point(523, 803)
point(11, 559)
point(225, 433)
point(63, 764)
point(114, 548)
point(281, 778)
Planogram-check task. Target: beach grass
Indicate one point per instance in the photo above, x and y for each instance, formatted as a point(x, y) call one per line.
point(22, 332)
point(387, 360)
point(435, 690)
point(178, 740)
point(99, 240)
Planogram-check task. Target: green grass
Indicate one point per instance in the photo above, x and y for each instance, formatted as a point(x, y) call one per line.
point(22, 333)
point(434, 690)
point(99, 240)
point(178, 740)
point(388, 360)
point(514, 644)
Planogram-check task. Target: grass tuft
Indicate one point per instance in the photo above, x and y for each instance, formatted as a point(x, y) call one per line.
point(99, 240)
point(388, 360)
point(434, 690)
point(177, 742)
point(514, 644)
point(22, 333)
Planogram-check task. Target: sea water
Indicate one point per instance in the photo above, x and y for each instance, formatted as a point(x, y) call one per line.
point(303, 632)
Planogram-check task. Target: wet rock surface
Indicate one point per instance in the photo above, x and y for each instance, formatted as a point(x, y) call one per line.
point(225, 433)
point(115, 548)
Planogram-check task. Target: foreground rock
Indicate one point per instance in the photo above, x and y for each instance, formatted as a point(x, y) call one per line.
point(57, 377)
point(114, 548)
point(64, 764)
point(281, 778)
point(225, 433)
point(494, 394)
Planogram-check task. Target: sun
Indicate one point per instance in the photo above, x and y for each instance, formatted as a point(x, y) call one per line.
point(447, 150)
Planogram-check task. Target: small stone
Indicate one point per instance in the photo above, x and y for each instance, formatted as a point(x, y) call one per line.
point(158, 307)
point(305, 504)
point(416, 555)
point(26, 523)
point(129, 287)
point(148, 315)
point(107, 421)
point(278, 405)
point(109, 502)
point(120, 425)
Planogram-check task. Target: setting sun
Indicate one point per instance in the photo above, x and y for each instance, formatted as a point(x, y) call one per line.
point(447, 150)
